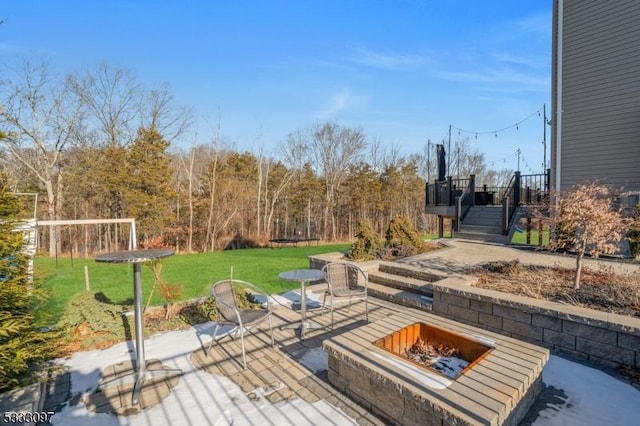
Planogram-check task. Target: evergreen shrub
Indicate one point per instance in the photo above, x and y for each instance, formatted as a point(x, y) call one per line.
point(367, 242)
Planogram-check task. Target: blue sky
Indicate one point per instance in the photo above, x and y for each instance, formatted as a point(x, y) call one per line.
point(402, 70)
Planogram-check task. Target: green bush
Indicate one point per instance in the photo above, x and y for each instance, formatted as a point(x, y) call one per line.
point(367, 242)
point(94, 320)
point(403, 239)
point(23, 347)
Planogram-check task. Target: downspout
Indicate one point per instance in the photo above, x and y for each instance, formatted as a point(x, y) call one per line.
point(558, 112)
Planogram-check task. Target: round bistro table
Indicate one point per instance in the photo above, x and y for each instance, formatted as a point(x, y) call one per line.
point(140, 373)
point(304, 276)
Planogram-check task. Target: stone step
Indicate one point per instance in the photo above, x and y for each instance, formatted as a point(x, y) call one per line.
point(405, 270)
point(482, 222)
point(480, 229)
point(489, 213)
point(409, 284)
point(401, 297)
point(478, 236)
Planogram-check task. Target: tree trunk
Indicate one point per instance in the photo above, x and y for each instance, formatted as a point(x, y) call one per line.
point(576, 283)
point(54, 232)
point(259, 197)
point(210, 225)
point(190, 175)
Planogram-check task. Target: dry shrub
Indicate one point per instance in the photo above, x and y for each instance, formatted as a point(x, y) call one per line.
point(171, 293)
point(586, 221)
point(507, 267)
point(156, 242)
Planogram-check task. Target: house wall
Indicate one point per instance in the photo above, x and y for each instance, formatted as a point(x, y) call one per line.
point(600, 93)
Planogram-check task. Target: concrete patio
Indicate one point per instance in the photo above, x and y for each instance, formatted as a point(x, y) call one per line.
point(289, 384)
point(279, 379)
point(297, 369)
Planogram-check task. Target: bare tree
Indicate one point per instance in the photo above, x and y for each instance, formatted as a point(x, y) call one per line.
point(212, 176)
point(495, 178)
point(376, 155)
point(277, 179)
point(112, 97)
point(585, 221)
point(334, 148)
point(159, 111)
point(295, 150)
point(41, 117)
point(189, 170)
point(467, 161)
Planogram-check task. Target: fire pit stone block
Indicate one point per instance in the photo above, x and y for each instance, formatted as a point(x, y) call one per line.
point(498, 389)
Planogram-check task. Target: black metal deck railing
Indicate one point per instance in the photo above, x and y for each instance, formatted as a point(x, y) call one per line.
point(524, 190)
point(444, 193)
point(521, 190)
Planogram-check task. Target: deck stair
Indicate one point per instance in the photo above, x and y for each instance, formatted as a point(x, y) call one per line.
point(483, 223)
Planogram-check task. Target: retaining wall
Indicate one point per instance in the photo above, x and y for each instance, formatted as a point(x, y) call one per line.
point(609, 339)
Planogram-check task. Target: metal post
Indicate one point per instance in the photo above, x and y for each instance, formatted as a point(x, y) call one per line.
point(544, 136)
point(137, 301)
point(449, 153)
point(472, 185)
point(428, 160)
point(516, 190)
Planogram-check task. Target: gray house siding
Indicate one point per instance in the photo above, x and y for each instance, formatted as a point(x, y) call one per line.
point(600, 136)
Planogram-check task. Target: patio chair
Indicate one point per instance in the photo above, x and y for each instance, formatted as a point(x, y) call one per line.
point(343, 279)
point(231, 314)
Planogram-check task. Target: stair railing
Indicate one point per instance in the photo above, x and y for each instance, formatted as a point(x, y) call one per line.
point(510, 201)
point(465, 201)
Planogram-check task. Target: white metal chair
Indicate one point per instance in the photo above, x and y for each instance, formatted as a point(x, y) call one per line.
point(346, 283)
point(224, 293)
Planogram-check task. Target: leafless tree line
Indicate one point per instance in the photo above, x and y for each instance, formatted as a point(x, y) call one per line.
point(69, 138)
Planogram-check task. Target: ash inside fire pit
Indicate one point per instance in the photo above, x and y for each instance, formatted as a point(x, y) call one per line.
point(434, 348)
point(441, 357)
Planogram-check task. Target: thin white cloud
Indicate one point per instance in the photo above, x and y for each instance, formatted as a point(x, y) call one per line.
point(387, 60)
point(500, 77)
point(530, 61)
point(338, 102)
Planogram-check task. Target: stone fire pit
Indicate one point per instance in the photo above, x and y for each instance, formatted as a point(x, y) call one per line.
point(438, 350)
point(496, 384)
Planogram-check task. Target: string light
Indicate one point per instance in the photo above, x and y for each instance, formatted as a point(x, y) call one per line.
point(504, 159)
point(495, 132)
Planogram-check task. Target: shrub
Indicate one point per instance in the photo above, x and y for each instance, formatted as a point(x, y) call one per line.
point(91, 319)
point(403, 238)
point(367, 242)
point(22, 346)
point(586, 222)
point(171, 293)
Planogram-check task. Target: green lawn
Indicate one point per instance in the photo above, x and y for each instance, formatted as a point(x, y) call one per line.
point(434, 235)
point(196, 273)
point(521, 237)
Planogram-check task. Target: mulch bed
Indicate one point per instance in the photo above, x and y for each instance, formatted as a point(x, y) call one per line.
point(600, 289)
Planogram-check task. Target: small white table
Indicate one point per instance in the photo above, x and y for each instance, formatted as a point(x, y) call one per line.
point(303, 276)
